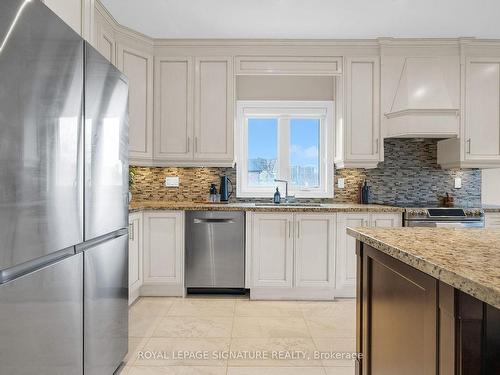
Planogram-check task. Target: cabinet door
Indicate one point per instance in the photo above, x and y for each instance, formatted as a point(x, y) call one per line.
point(173, 139)
point(345, 269)
point(396, 301)
point(363, 109)
point(482, 117)
point(214, 119)
point(314, 250)
point(386, 220)
point(272, 250)
point(138, 67)
point(163, 248)
point(135, 256)
point(105, 41)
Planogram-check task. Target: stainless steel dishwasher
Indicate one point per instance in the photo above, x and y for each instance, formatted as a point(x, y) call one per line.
point(215, 251)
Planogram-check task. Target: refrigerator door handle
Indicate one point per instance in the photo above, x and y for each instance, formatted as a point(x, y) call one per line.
point(31, 266)
point(99, 240)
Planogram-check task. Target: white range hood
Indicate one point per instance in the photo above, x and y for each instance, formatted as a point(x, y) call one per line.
point(426, 100)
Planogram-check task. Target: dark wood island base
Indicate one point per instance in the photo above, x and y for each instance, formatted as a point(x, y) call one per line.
point(411, 323)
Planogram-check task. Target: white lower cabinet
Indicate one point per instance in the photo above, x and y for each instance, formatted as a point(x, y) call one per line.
point(346, 246)
point(492, 220)
point(163, 254)
point(272, 246)
point(314, 250)
point(291, 256)
point(135, 256)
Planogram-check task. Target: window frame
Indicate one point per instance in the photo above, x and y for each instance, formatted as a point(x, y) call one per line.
point(284, 110)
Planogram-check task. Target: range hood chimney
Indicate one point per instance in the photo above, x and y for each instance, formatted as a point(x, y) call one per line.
point(425, 104)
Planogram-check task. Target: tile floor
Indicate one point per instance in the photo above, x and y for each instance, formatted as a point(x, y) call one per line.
point(161, 329)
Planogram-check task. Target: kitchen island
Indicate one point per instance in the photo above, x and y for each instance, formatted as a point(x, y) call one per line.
point(428, 301)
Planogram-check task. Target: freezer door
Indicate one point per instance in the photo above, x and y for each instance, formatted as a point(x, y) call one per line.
point(106, 147)
point(41, 321)
point(106, 306)
point(41, 133)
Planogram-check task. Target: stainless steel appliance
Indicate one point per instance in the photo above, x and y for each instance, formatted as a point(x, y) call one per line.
point(439, 217)
point(215, 250)
point(57, 124)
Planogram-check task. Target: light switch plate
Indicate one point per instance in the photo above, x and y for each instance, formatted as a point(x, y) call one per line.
point(458, 183)
point(172, 181)
point(341, 183)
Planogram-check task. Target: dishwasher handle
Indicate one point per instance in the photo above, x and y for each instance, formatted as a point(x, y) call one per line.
point(213, 221)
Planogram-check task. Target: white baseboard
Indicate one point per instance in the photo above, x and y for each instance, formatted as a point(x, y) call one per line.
point(162, 290)
point(133, 294)
point(293, 294)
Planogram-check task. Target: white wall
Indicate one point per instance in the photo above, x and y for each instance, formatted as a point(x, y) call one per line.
point(491, 186)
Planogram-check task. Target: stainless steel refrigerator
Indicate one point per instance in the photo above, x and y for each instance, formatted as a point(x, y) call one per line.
point(63, 199)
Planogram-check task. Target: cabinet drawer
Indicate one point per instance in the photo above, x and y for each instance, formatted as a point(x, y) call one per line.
point(262, 65)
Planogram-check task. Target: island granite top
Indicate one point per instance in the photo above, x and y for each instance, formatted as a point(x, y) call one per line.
point(467, 259)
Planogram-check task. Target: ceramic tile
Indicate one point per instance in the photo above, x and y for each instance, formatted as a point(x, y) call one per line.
point(175, 326)
point(276, 371)
point(142, 325)
point(152, 306)
point(202, 307)
point(340, 370)
point(134, 345)
point(269, 327)
point(268, 309)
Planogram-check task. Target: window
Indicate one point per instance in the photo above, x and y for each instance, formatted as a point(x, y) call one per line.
point(286, 140)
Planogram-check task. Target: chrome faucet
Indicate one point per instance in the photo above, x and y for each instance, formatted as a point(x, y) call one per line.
point(288, 198)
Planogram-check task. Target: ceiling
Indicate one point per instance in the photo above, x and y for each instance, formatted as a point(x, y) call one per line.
point(309, 19)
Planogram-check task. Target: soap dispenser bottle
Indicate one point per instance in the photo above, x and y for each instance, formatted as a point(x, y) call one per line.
point(277, 197)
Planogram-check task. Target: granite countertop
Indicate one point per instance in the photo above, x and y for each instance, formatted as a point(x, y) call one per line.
point(202, 206)
point(467, 259)
point(491, 208)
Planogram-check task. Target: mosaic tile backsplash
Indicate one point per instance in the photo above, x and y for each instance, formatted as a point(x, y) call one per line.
point(409, 174)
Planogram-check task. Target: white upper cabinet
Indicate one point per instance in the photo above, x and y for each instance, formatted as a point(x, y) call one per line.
point(288, 65)
point(138, 67)
point(194, 101)
point(104, 38)
point(214, 117)
point(482, 113)
point(173, 138)
point(479, 144)
point(358, 120)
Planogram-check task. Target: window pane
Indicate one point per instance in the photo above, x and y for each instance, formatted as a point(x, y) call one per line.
point(262, 151)
point(304, 152)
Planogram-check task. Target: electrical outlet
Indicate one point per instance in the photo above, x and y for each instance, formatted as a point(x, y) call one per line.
point(341, 183)
point(171, 181)
point(458, 183)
